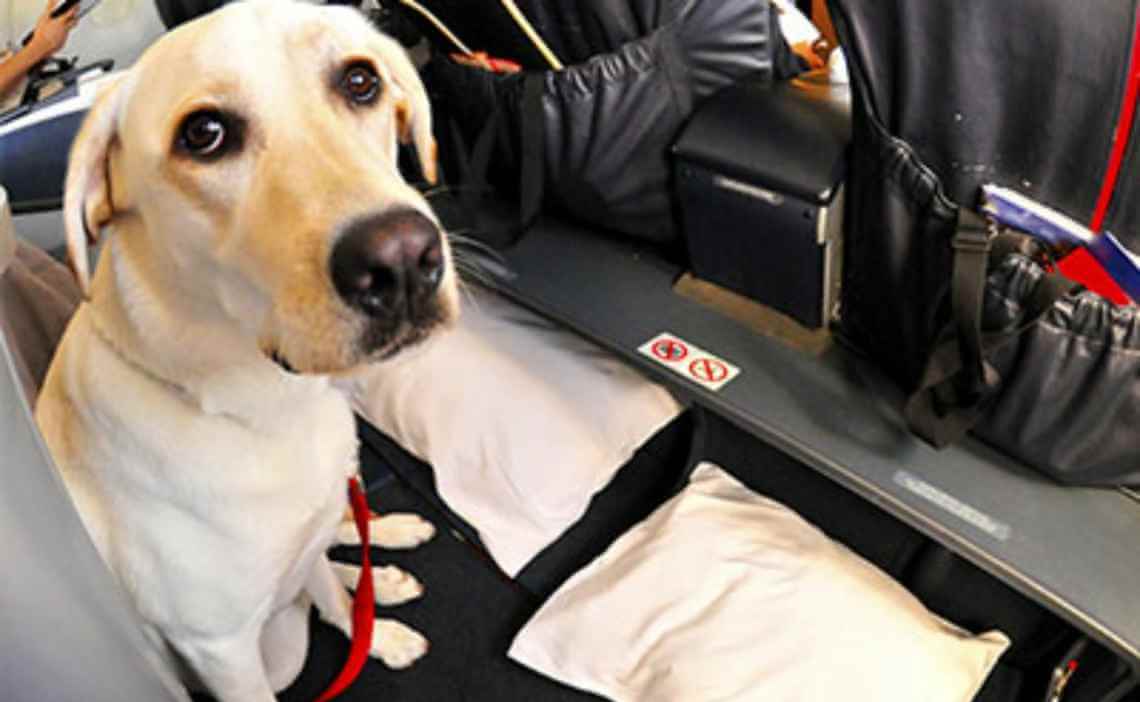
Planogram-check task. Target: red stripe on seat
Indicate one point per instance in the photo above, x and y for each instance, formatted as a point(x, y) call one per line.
point(1080, 266)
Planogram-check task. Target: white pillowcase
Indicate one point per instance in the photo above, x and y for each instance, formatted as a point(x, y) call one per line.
point(522, 421)
point(723, 594)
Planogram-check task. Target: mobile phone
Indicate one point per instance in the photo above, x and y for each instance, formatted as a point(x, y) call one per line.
point(63, 7)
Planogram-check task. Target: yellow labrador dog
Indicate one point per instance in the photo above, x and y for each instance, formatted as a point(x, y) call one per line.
point(262, 240)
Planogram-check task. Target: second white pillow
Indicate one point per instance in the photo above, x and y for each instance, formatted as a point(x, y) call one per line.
point(724, 595)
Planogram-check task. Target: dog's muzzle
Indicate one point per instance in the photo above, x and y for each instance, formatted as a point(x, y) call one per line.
point(389, 266)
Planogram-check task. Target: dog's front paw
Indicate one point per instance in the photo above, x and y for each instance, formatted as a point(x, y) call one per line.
point(401, 531)
point(392, 531)
point(395, 586)
point(396, 644)
point(392, 585)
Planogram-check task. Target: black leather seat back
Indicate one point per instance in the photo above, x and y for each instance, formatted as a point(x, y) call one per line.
point(950, 95)
point(1024, 92)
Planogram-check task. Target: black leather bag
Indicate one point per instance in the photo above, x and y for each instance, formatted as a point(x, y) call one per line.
point(1027, 94)
point(592, 140)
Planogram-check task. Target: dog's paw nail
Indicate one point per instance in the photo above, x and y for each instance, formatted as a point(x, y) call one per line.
point(401, 531)
point(396, 644)
point(395, 587)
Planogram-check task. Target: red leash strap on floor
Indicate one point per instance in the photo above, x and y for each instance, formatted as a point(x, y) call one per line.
point(363, 604)
point(1081, 266)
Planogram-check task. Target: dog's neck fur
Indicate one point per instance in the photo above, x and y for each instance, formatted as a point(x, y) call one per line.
point(195, 348)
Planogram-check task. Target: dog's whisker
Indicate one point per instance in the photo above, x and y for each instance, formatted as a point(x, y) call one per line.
point(466, 291)
point(446, 189)
point(461, 236)
point(483, 269)
point(472, 250)
point(474, 275)
point(470, 280)
point(500, 272)
point(471, 290)
point(468, 287)
point(458, 236)
point(469, 245)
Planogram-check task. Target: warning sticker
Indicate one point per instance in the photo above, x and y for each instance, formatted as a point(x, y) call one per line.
point(708, 370)
point(669, 349)
point(690, 361)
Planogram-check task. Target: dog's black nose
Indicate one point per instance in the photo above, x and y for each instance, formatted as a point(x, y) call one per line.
point(384, 262)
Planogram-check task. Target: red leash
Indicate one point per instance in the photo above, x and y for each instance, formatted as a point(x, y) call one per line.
point(363, 604)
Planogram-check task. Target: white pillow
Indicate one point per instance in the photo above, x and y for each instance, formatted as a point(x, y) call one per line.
point(522, 421)
point(723, 594)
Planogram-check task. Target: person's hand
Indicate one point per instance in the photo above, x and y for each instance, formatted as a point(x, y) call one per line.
point(51, 32)
point(815, 53)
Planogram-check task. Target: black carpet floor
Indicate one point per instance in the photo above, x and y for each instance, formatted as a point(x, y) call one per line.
point(471, 611)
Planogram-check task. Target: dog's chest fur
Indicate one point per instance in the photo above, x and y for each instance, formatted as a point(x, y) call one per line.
point(206, 518)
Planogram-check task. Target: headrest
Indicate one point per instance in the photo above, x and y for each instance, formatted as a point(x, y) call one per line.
point(7, 233)
point(175, 12)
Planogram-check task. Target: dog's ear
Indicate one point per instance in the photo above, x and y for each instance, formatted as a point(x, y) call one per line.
point(413, 109)
point(87, 205)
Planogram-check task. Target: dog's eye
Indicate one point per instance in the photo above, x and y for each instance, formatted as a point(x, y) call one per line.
point(360, 84)
point(204, 134)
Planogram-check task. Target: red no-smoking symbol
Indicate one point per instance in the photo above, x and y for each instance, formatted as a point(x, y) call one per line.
point(708, 370)
point(670, 350)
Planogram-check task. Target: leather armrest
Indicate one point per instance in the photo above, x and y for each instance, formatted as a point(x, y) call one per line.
point(791, 136)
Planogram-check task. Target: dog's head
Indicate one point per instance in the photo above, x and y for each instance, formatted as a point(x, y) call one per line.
point(249, 160)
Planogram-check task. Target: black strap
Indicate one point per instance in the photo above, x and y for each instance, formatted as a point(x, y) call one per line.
point(971, 245)
point(477, 168)
point(531, 163)
point(532, 167)
point(958, 382)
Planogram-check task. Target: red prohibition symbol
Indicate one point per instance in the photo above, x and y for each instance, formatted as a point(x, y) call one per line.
point(670, 350)
point(708, 370)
